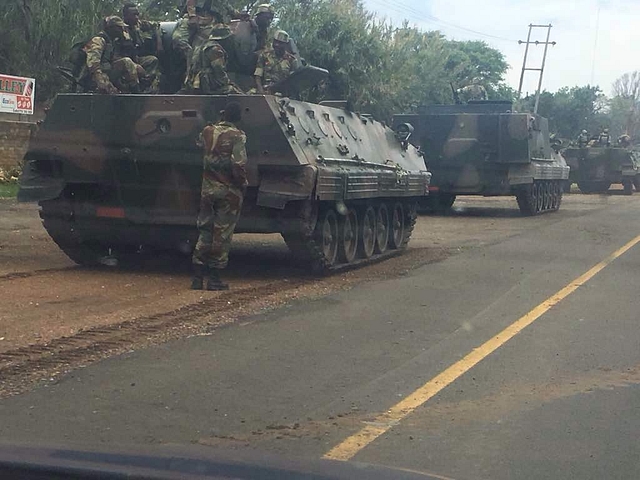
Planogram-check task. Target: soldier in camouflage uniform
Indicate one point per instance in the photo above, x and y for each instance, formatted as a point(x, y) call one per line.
point(583, 139)
point(224, 183)
point(473, 92)
point(194, 28)
point(144, 46)
point(207, 73)
point(263, 19)
point(107, 72)
point(275, 65)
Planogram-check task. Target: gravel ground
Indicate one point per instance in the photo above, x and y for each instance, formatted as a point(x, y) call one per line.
point(46, 297)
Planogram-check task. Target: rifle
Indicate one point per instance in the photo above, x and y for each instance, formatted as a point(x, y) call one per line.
point(456, 96)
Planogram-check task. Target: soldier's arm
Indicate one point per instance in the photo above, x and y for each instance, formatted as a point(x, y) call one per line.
point(239, 162)
point(218, 64)
point(259, 73)
point(94, 50)
point(180, 38)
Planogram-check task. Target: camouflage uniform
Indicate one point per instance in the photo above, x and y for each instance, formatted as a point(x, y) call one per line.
point(190, 33)
point(142, 49)
point(604, 138)
point(207, 73)
point(473, 92)
point(264, 34)
point(273, 69)
point(583, 139)
point(109, 73)
point(223, 185)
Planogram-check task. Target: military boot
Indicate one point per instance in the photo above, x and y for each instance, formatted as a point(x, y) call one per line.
point(214, 283)
point(197, 282)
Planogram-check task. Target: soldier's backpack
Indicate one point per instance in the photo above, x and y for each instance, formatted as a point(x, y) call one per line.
point(78, 57)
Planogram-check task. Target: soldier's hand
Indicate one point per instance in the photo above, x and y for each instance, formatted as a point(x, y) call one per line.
point(108, 88)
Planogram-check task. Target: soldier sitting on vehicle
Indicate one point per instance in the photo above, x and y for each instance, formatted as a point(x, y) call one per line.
point(624, 141)
point(583, 139)
point(604, 139)
point(207, 73)
point(275, 65)
point(263, 19)
point(143, 47)
point(104, 70)
point(194, 28)
point(472, 92)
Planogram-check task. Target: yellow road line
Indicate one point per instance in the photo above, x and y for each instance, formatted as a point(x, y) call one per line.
point(384, 422)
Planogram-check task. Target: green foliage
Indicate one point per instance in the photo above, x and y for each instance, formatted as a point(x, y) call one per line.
point(571, 110)
point(378, 68)
point(381, 69)
point(46, 31)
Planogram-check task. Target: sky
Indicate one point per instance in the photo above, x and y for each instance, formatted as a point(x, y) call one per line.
point(597, 40)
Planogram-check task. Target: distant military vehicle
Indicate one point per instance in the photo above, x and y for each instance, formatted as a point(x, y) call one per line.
point(116, 172)
point(483, 148)
point(596, 168)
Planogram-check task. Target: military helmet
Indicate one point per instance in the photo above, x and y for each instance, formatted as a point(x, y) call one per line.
point(265, 8)
point(584, 132)
point(114, 21)
point(281, 36)
point(606, 130)
point(220, 31)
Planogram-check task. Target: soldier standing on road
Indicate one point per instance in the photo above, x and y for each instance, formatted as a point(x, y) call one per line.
point(275, 65)
point(144, 46)
point(583, 139)
point(224, 183)
point(108, 73)
point(207, 73)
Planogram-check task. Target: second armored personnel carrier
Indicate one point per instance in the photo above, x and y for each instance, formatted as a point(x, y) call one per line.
point(596, 168)
point(484, 148)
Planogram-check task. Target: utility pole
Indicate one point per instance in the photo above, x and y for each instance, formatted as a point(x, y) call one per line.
point(525, 68)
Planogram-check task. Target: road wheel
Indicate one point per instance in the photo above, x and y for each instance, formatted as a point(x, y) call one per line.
point(526, 200)
point(382, 228)
point(396, 236)
point(326, 234)
point(348, 237)
point(368, 233)
point(628, 187)
point(539, 196)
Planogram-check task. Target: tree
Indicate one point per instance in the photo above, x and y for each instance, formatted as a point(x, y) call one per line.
point(571, 110)
point(625, 105)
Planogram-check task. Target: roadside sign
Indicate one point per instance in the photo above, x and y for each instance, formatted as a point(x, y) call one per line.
point(17, 94)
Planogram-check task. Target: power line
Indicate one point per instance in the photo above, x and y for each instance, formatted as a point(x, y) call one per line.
point(408, 10)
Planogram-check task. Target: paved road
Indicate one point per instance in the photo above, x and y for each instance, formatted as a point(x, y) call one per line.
point(561, 399)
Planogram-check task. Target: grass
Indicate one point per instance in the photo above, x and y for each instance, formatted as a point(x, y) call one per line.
point(8, 190)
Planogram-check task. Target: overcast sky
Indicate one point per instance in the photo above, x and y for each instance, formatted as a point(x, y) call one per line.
point(613, 40)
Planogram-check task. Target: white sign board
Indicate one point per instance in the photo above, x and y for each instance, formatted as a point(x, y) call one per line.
point(17, 94)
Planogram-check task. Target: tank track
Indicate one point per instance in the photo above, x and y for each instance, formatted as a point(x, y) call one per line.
point(543, 196)
point(307, 249)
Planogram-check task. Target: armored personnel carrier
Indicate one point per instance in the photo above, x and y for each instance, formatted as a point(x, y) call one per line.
point(484, 148)
point(113, 173)
point(596, 168)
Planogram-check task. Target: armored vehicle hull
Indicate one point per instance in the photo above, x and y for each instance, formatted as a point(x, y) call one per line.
point(482, 148)
point(116, 173)
point(595, 169)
